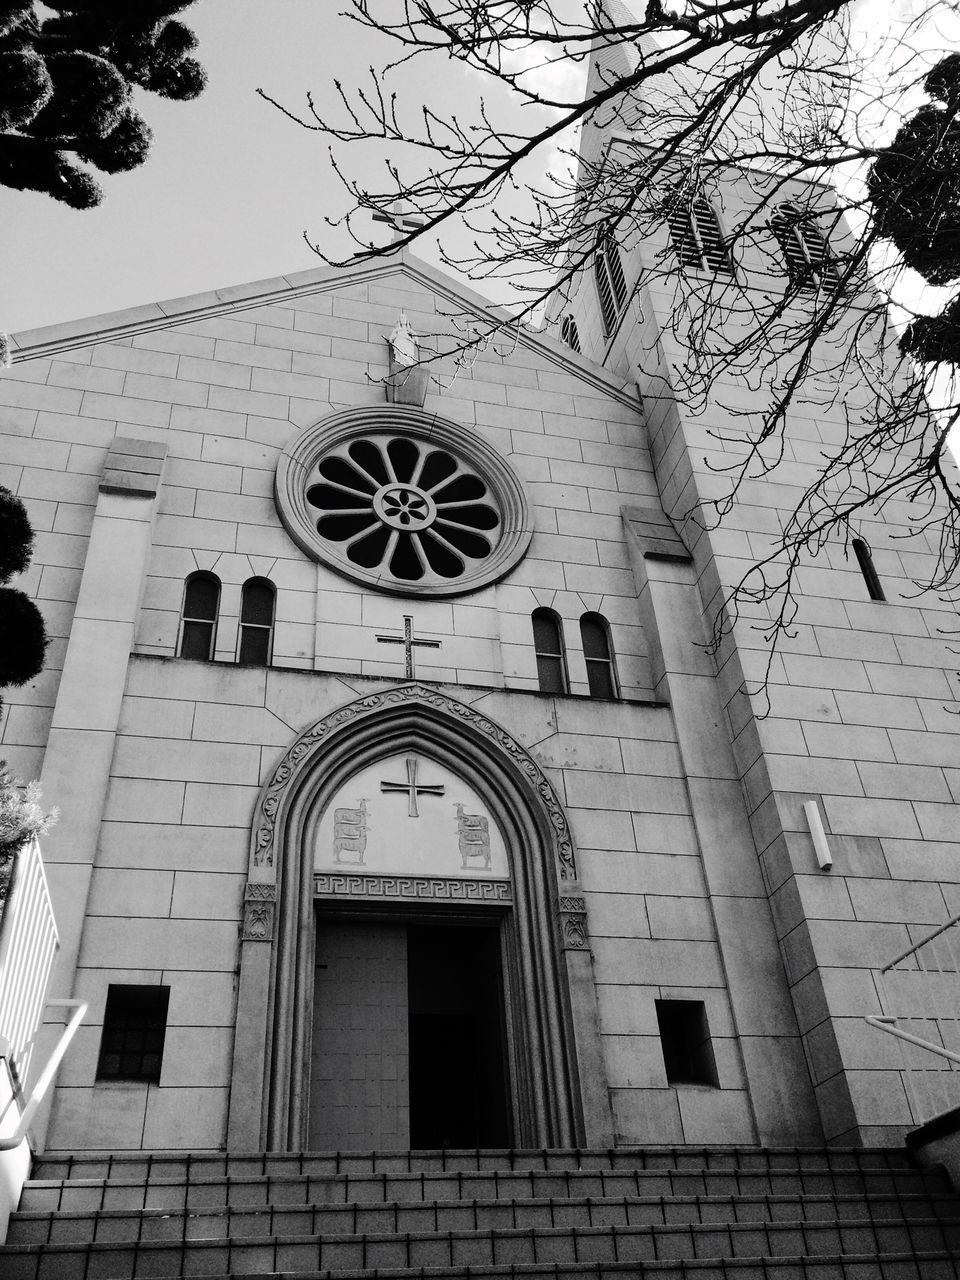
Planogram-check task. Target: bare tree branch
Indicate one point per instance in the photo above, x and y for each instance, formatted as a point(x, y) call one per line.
point(683, 100)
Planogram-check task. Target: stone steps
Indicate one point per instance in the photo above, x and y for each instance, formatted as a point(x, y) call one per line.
point(166, 1165)
point(913, 1266)
point(724, 1212)
point(92, 1194)
point(111, 1226)
point(124, 1260)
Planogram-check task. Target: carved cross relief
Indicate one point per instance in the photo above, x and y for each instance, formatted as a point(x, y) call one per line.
point(409, 642)
point(453, 836)
point(413, 788)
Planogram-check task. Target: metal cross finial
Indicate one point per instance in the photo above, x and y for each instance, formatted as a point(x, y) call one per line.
point(413, 788)
point(409, 643)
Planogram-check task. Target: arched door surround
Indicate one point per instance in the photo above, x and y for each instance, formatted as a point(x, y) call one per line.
point(560, 1085)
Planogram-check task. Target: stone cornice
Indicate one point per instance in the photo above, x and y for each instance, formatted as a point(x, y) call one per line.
point(36, 344)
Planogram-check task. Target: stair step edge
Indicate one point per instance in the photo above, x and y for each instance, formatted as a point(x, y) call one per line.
point(666, 1268)
point(505, 1233)
point(526, 1202)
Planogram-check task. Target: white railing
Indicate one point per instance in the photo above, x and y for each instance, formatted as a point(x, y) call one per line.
point(78, 1008)
point(920, 1005)
point(28, 945)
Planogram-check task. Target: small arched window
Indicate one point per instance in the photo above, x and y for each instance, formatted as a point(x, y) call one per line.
point(598, 652)
point(611, 285)
point(198, 627)
point(697, 238)
point(548, 642)
point(569, 334)
point(257, 606)
point(806, 253)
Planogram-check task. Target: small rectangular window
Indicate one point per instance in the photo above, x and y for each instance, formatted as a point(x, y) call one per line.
point(134, 1029)
point(254, 646)
point(685, 1041)
point(196, 640)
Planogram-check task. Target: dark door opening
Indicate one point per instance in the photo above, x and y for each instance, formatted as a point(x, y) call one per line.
point(409, 1037)
point(457, 1064)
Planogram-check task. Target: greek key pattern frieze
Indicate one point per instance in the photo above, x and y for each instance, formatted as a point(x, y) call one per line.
point(325, 729)
point(411, 888)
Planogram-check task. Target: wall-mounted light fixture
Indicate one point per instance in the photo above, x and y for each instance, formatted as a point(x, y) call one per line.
point(820, 845)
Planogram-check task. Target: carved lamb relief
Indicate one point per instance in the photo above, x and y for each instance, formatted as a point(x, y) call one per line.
point(350, 835)
point(409, 815)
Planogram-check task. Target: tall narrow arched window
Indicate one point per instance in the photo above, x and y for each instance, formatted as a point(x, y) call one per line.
point(257, 606)
point(806, 253)
point(569, 334)
point(548, 642)
point(598, 652)
point(611, 285)
point(198, 627)
point(697, 238)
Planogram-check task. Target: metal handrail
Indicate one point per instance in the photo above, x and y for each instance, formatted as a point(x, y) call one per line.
point(892, 964)
point(919, 987)
point(889, 1024)
point(45, 1078)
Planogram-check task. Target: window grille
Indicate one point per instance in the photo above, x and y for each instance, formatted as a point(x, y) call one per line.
point(551, 660)
point(611, 284)
point(201, 601)
point(569, 334)
point(405, 510)
point(134, 1028)
point(697, 237)
point(805, 250)
point(601, 672)
point(257, 603)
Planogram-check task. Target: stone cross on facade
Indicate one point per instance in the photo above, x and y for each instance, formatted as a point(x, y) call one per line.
point(413, 788)
point(409, 643)
point(400, 218)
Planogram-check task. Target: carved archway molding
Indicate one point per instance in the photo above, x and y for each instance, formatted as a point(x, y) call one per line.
point(560, 1091)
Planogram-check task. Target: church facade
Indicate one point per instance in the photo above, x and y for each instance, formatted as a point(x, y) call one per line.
point(403, 804)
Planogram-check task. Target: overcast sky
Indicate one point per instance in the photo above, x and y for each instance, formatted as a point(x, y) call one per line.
point(226, 193)
point(230, 185)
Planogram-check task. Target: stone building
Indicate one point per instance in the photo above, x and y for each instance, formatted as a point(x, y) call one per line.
point(403, 803)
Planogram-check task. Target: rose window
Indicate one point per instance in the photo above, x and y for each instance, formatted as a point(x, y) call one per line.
point(432, 510)
point(404, 507)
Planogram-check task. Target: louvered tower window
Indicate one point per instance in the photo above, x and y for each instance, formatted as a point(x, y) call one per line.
point(569, 334)
point(198, 628)
point(697, 237)
point(551, 660)
point(611, 285)
point(256, 623)
point(805, 250)
point(598, 653)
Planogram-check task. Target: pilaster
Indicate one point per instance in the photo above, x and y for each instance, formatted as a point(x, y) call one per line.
point(79, 753)
point(684, 676)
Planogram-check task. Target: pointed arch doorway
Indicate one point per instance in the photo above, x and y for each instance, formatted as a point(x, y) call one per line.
point(412, 1042)
point(551, 1059)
